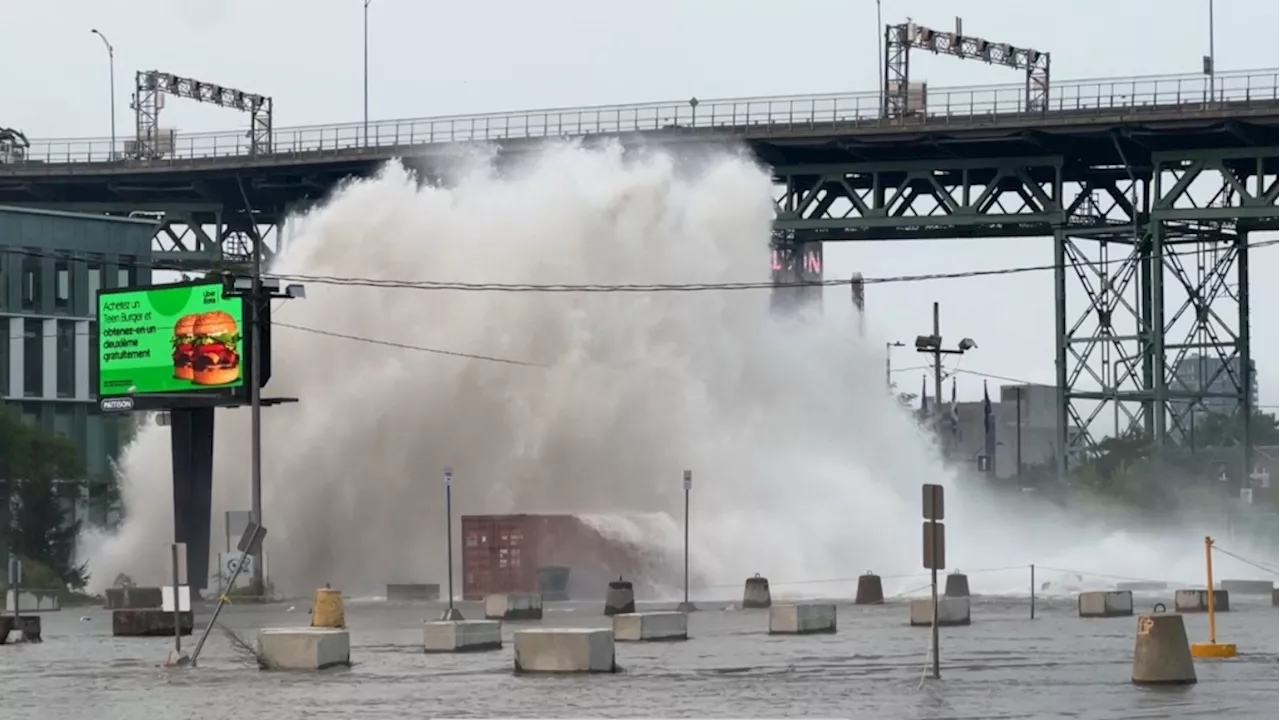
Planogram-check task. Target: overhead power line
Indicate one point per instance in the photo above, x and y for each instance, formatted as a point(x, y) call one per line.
point(435, 285)
point(405, 346)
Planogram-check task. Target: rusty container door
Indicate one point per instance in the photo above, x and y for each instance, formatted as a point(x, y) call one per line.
point(513, 571)
point(496, 555)
point(477, 570)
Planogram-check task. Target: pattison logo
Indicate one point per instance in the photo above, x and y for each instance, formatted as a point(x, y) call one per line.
point(116, 404)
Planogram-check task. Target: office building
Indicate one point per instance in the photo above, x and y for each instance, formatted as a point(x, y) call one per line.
point(52, 265)
point(1219, 379)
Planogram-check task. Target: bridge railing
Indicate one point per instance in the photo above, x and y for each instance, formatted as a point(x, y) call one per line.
point(743, 116)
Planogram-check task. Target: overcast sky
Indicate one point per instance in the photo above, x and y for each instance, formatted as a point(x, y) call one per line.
point(429, 57)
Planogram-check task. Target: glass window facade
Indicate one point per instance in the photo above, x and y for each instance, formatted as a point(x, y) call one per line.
point(52, 266)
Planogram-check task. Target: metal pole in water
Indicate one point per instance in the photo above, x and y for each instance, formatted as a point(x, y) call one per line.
point(937, 664)
point(688, 485)
point(448, 523)
point(1208, 584)
point(1033, 591)
point(177, 606)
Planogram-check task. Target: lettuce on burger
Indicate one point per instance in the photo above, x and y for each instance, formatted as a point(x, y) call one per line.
point(216, 361)
point(184, 341)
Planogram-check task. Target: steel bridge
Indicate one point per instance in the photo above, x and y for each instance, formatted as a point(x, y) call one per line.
point(1150, 188)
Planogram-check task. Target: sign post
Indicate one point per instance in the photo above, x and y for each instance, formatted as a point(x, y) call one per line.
point(15, 586)
point(175, 550)
point(451, 613)
point(250, 544)
point(687, 606)
point(935, 556)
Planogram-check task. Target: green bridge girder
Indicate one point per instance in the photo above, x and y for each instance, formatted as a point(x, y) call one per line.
point(1121, 234)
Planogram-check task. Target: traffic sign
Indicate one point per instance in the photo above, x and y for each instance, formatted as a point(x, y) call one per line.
point(448, 477)
point(932, 497)
point(688, 480)
point(935, 545)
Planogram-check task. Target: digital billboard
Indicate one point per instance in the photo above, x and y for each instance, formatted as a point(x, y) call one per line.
point(791, 264)
point(169, 339)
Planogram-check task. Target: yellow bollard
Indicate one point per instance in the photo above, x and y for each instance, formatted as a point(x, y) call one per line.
point(326, 611)
point(1213, 648)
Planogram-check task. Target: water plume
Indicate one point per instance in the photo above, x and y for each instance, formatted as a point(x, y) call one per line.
point(804, 467)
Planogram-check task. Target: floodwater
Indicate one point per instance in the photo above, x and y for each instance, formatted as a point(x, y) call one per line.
point(1005, 665)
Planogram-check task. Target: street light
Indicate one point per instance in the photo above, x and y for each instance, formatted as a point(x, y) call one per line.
point(111, 68)
point(888, 362)
point(259, 290)
point(366, 71)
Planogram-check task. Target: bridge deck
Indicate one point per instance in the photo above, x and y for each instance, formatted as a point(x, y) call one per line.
point(780, 121)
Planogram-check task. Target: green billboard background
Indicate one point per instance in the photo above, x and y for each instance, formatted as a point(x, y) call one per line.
point(136, 331)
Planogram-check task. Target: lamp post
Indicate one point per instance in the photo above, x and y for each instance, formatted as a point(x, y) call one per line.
point(259, 292)
point(686, 606)
point(888, 362)
point(366, 70)
point(111, 69)
point(450, 613)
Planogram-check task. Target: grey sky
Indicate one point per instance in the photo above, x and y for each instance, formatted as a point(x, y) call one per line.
point(429, 58)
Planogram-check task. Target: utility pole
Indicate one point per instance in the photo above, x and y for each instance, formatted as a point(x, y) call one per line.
point(257, 294)
point(255, 401)
point(932, 345)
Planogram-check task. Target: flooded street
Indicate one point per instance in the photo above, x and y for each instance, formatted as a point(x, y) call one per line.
point(1005, 665)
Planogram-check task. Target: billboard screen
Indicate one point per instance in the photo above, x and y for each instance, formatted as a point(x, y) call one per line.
point(796, 263)
point(169, 339)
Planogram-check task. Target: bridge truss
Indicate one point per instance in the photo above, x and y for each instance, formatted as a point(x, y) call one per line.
point(1150, 265)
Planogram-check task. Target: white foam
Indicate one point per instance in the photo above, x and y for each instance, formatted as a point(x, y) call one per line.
point(804, 468)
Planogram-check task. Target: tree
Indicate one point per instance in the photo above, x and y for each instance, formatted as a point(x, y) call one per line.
point(40, 470)
point(1227, 430)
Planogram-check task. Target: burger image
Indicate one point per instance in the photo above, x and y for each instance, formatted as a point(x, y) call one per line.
point(184, 339)
point(216, 360)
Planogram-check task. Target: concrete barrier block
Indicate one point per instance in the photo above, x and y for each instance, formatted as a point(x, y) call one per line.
point(952, 612)
point(651, 626)
point(870, 590)
point(1261, 588)
point(33, 601)
point(148, 622)
point(755, 593)
point(1161, 653)
point(27, 629)
point(957, 585)
point(133, 597)
point(802, 619)
point(413, 592)
point(1115, 603)
point(1198, 601)
point(1144, 586)
point(305, 648)
point(446, 636)
point(513, 606)
point(564, 650)
point(620, 598)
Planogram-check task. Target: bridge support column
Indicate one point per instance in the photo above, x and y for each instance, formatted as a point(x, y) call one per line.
point(191, 445)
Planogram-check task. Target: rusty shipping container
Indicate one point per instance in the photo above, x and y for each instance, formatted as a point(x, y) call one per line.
point(502, 554)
